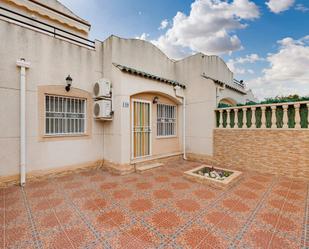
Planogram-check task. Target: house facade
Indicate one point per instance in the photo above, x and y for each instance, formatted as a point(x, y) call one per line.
point(158, 107)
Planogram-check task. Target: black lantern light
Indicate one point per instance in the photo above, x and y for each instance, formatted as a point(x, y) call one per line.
point(69, 81)
point(155, 100)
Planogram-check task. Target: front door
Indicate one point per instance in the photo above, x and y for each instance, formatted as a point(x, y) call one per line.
point(141, 128)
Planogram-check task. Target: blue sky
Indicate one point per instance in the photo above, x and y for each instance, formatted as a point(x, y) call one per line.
point(265, 42)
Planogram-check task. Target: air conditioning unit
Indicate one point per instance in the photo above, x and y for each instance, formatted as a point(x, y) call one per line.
point(102, 88)
point(103, 109)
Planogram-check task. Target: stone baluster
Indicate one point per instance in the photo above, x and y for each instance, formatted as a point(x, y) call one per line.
point(308, 114)
point(244, 117)
point(236, 118)
point(253, 120)
point(285, 116)
point(228, 118)
point(297, 116)
point(220, 118)
point(273, 117)
point(263, 117)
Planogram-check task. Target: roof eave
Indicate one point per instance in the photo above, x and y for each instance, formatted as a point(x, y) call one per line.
point(148, 75)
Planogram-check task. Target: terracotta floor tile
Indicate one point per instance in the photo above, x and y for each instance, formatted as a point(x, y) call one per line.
point(36, 185)
point(73, 185)
point(144, 185)
point(154, 209)
point(266, 239)
point(192, 237)
point(236, 205)
point(122, 194)
point(284, 206)
point(113, 217)
point(84, 193)
point(224, 222)
point(109, 185)
point(135, 237)
point(97, 178)
point(162, 179)
point(204, 194)
point(188, 205)
point(163, 194)
point(141, 205)
point(180, 185)
point(15, 235)
point(167, 222)
point(48, 204)
point(246, 194)
point(95, 204)
point(254, 186)
point(260, 178)
point(213, 241)
point(42, 193)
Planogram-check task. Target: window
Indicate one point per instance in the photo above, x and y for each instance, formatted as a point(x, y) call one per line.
point(64, 115)
point(166, 120)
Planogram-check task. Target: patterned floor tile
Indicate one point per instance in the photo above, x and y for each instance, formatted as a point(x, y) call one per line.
point(154, 209)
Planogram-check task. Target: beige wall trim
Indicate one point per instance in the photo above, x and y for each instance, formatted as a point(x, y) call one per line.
point(162, 160)
point(123, 169)
point(118, 169)
point(59, 90)
point(38, 175)
point(157, 157)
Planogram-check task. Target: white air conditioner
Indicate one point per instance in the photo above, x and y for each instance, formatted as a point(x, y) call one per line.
point(103, 109)
point(102, 88)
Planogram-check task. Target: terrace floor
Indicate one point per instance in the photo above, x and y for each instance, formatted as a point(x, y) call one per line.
point(156, 209)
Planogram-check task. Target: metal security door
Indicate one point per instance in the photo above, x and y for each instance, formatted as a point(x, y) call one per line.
point(141, 128)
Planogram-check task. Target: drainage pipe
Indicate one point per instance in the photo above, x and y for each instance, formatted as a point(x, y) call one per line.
point(182, 96)
point(23, 65)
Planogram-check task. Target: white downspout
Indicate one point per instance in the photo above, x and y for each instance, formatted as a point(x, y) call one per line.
point(179, 95)
point(23, 66)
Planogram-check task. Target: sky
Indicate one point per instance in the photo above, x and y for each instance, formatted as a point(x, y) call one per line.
point(264, 42)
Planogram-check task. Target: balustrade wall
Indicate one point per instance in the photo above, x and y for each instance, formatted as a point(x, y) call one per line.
point(292, 115)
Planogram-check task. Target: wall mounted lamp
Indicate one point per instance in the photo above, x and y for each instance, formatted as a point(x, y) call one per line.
point(69, 81)
point(155, 100)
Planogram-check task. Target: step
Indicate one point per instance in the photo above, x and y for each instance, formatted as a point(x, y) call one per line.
point(149, 166)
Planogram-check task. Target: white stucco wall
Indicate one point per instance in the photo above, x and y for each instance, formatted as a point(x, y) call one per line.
point(200, 98)
point(139, 55)
point(200, 93)
point(51, 61)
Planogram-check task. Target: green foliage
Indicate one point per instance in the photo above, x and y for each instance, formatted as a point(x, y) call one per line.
point(284, 99)
point(222, 105)
point(275, 100)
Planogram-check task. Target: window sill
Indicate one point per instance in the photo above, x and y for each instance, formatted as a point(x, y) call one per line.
point(166, 137)
point(63, 137)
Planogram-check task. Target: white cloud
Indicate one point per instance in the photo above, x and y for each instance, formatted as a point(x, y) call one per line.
point(287, 72)
point(143, 36)
point(278, 6)
point(251, 58)
point(209, 28)
point(235, 64)
point(163, 24)
point(301, 7)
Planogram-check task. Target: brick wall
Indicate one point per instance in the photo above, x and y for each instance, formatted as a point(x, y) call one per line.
point(284, 152)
